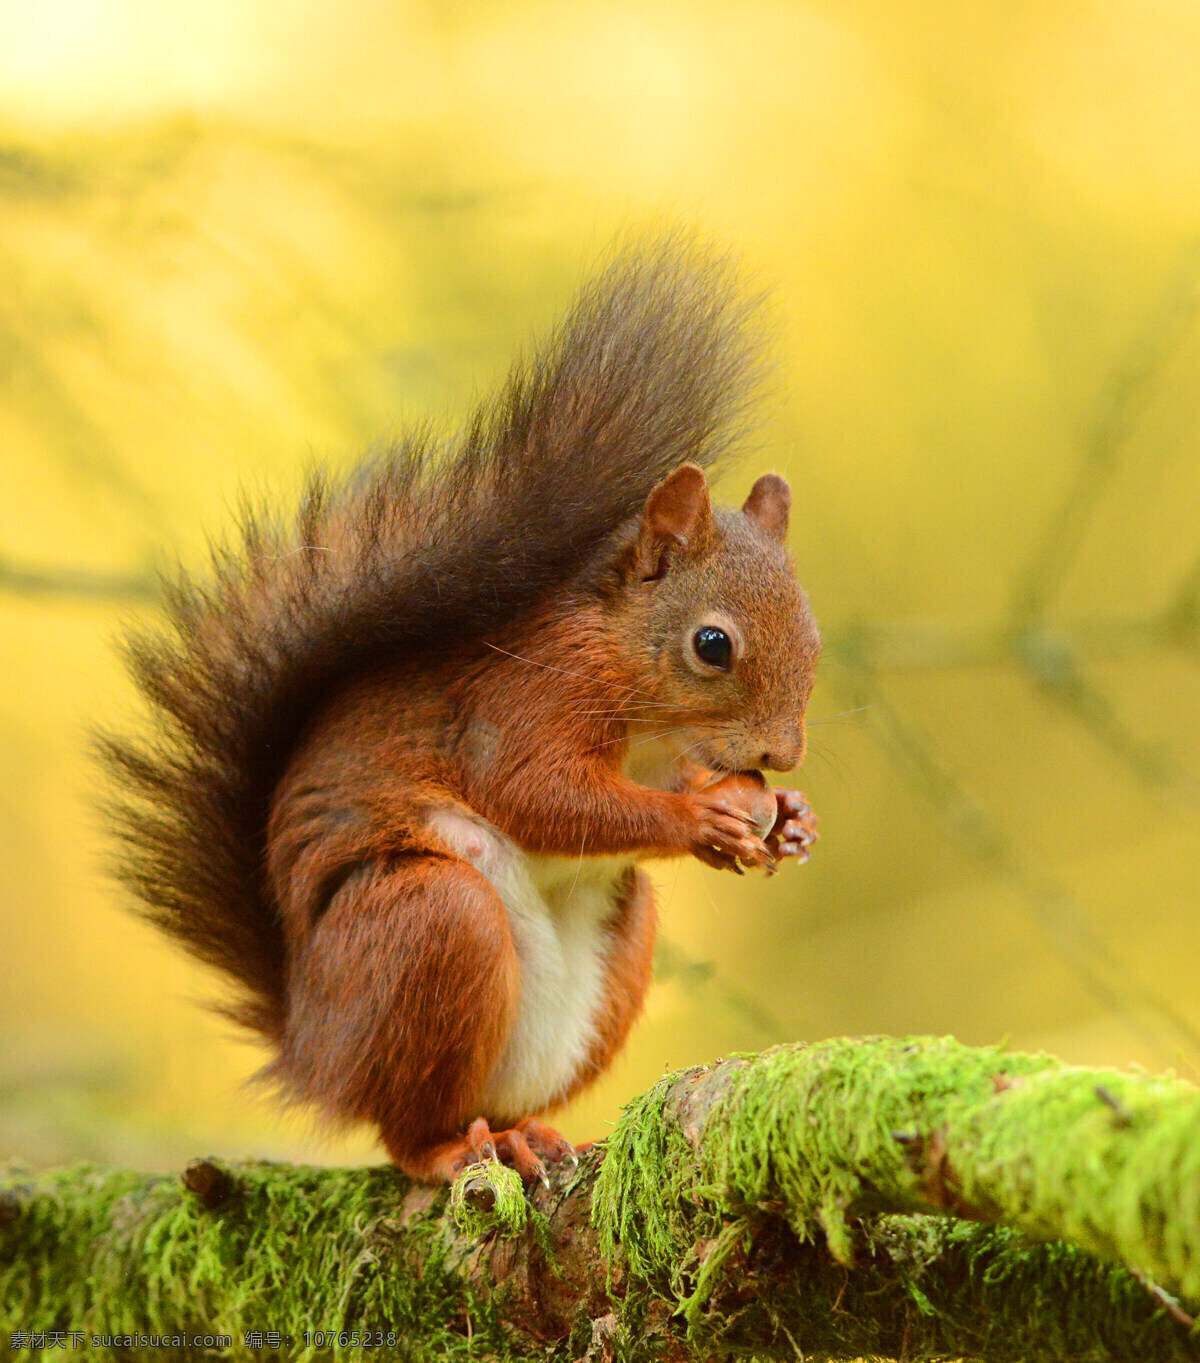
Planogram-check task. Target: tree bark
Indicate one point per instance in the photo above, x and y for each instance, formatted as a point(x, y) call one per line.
point(913, 1200)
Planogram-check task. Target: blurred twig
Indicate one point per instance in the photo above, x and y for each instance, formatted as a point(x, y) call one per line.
point(77, 441)
point(77, 584)
point(1064, 922)
point(1124, 400)
point(1054, 663)
point(1053, 658)
point(672, 962)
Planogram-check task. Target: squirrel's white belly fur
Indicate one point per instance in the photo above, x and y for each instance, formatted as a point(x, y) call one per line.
point(558, 908)
point(558, 911)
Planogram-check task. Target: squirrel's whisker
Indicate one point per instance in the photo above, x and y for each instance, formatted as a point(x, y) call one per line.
point(841, 714)
point(664, 733)
point(619, 717)
point(582, 676)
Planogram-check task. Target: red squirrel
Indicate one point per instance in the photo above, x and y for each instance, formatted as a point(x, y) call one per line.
point(411, 747)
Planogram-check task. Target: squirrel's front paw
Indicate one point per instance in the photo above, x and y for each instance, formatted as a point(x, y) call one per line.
point(725, 835)
point(795, 828)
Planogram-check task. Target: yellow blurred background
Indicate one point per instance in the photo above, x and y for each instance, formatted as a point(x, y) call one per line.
point(235, 239)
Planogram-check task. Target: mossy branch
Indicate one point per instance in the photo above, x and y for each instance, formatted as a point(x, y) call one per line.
point(825, 1202)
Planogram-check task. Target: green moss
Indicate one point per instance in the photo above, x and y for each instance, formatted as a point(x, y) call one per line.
point(293, 1249)
point(754, 1204)
point(489, 1197)
point(647, 1167)
point(819, 1137)
point(932, 1288)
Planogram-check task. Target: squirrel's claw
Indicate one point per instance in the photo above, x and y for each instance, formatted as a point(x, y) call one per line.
point(546, 1142)
point(795, 828)
point(525, 1147)
point(726, 835)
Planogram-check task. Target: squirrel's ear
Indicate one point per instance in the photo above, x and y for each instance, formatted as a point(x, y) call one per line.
point(677, 516)
point(768, 505)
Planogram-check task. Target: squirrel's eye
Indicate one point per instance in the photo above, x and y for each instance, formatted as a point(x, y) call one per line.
point(714, 647)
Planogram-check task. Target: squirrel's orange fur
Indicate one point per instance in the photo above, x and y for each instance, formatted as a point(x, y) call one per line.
point(412, 749)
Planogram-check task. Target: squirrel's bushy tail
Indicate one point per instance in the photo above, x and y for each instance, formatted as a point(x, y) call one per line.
point(652, 367)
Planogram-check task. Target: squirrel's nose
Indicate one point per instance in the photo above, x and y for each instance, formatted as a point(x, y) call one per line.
point(784, 754)
point(773, 761)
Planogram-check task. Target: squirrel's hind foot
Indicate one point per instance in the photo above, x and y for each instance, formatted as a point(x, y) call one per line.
point(526, 1147)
